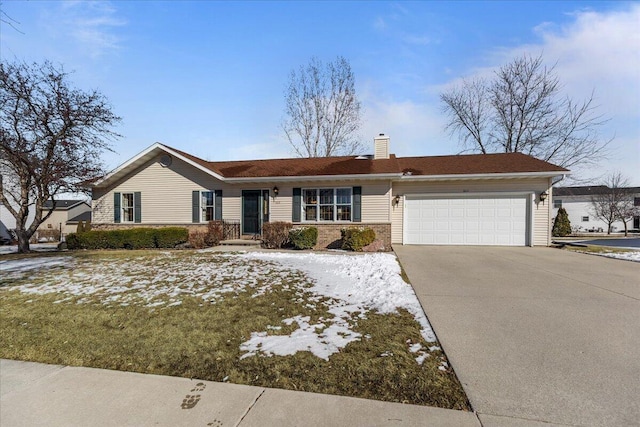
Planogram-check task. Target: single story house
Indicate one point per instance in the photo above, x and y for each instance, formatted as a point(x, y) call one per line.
point(489, 199)
point(577, 201)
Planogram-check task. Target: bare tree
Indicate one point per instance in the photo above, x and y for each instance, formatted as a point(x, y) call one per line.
point(322, 110)
point(521, 110)
point(51, 138)
point(8, 20)
point(615, 204)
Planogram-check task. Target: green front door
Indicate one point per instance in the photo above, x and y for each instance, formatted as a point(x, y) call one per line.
point(255, 210)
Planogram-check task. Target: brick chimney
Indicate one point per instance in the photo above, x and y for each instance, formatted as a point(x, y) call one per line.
point(381, 147)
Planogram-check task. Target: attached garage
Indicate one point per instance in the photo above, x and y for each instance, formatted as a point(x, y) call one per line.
point(488, 219)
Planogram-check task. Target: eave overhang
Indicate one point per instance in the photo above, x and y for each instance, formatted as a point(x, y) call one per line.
point(479, 176)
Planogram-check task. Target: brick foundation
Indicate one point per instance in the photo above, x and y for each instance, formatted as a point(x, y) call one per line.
point(329, 236)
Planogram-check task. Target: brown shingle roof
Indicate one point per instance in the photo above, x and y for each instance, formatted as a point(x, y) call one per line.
point(350, 165)
point(475, 164)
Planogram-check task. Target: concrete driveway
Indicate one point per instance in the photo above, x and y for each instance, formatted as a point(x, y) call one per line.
point(536, 335)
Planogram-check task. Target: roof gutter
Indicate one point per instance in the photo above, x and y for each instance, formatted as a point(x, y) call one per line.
point(482, 176)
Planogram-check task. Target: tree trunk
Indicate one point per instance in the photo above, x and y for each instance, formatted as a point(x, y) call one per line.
point(23, 241)
point(626, 229)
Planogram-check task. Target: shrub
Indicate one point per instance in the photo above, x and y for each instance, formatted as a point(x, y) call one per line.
point(275, 234)
point(304, 238)
point(170, 237)
point(215, 233)
point(197, 239)
point(80, 227)
point(73, 241)
point(139, 238)
point(561, 225)
point(87, 225)
point(355, 238)
point(134, 238)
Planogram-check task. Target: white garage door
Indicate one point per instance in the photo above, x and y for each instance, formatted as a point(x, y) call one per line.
point(491, 220)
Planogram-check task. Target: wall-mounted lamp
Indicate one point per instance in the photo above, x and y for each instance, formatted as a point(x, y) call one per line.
point(275, 191)
point(543, 196)
point(396, 200)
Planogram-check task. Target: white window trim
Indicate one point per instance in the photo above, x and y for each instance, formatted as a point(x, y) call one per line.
point(303, 216)
point(133, 207)
point(203, 211)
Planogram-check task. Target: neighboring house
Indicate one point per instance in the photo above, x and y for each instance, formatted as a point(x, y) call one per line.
point(577, 201)
point(65, 215)
point(7, 222)
point(64, 218)
point(490, 199)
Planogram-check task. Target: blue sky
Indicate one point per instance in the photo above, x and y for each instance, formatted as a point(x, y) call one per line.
point(209, 77)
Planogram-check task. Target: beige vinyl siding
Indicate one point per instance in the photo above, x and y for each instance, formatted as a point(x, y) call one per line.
point(165, 193)
point(376, 199)
point(540, 211)
point(54, 221)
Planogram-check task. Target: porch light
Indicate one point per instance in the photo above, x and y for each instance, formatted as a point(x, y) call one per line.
point(396, 200)
point(543, 196)
point(275, 191)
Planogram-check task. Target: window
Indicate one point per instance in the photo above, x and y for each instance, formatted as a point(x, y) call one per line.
point(585, 219)
point(557, 203)
point(127, 207)
point(636, 201)
point(327, 204)
point(207, 201)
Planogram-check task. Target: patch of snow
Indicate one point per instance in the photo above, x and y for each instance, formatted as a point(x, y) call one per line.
point(630, 256)
point(414, 348)
point(16, 267)
point(37, 247)
point(306, 338)
point(357, 283)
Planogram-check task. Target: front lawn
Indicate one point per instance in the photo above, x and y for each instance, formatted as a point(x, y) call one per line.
point(327, 323)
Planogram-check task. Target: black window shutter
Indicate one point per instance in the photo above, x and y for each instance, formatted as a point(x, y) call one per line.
point(218, 205)
point(357, 204)
point(116, 208)
point(297, 205)
point(195, 206)
point(137, 207)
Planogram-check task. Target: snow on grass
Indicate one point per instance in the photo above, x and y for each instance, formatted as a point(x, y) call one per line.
point(630, 256)
point(355, 285)
point(162, 279)
point(15, 268)
point(343, 285)
point(37, 247)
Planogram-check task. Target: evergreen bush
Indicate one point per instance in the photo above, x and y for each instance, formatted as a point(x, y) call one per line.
point(134, 238)
point(355, 238)
point(304, 238)
point(561, 225)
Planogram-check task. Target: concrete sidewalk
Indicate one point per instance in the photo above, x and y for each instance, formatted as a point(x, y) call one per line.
point(537, 336)
point(34, 394)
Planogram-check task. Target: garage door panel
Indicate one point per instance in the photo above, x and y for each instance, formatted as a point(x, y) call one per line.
point(497, 220)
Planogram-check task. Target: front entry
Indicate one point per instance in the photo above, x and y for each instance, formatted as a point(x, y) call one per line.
point(255, 210)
